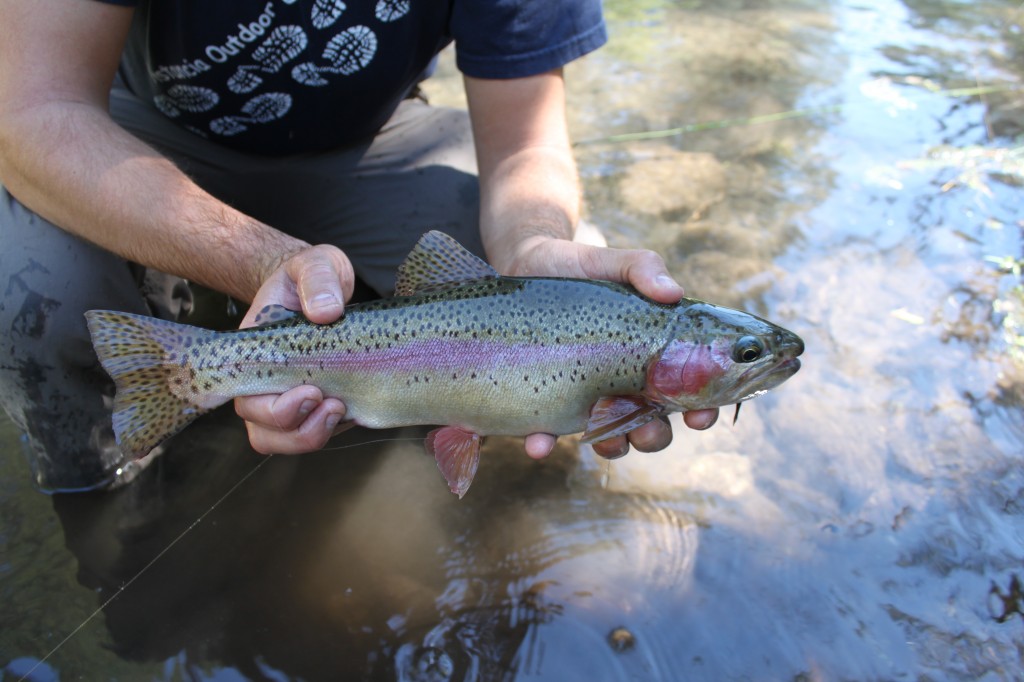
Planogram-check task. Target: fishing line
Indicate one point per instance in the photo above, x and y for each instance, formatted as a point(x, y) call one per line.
point(145, 568)
point(369, 442)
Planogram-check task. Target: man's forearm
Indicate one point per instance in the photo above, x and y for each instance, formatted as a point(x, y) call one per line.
point(70, 163)
point(530, 196)
point(529, 189)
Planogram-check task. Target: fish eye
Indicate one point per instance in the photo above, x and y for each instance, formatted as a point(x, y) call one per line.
point(747, 349)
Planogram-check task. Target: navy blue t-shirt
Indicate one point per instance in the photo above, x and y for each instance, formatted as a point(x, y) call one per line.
point(290, 76)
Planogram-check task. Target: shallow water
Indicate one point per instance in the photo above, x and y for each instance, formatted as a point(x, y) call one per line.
point(864, 521)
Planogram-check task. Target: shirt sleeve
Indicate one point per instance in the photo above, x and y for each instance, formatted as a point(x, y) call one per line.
point(518, 38)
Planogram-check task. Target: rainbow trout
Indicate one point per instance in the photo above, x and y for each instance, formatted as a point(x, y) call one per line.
point(458, 346)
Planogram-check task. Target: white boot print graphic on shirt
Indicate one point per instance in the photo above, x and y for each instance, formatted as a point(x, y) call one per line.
point(283, 44)
point(347, 52)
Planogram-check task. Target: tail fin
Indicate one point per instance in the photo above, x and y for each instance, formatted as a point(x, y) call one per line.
point(143, 355)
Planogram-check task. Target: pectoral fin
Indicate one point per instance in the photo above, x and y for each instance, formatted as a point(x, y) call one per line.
point(457, 453)
point(615, 415)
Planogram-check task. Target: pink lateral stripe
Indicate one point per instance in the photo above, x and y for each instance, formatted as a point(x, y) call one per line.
point(442, 355)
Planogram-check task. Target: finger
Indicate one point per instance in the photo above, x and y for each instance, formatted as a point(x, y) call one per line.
point(645, 270)
point(277, 290)
point(324, 279)
point(652, 436)
point(311, 435)
point(701, 419)
point(283, 412)
point(612, 448)
point(539, 445)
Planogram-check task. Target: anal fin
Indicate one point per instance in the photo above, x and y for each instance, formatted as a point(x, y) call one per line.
point(457, 453)
point(615, 415)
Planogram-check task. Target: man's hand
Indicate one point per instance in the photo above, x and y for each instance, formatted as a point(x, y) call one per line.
point(644, 270)
point(317, 280)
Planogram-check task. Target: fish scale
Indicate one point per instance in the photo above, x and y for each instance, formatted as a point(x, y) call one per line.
point(460, 347)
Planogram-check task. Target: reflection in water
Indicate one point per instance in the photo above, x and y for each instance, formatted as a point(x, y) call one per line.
point(559, 576)
point(343, 564)
point(299, 570)
point(863, 522)
point(1002, 606)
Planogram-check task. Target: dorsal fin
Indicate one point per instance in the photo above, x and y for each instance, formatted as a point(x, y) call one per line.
point(438, 262)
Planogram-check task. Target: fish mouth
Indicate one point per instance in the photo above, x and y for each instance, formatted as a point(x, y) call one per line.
point(780, 372)
point(791, 365)
point(788, 367)
point(770, 378)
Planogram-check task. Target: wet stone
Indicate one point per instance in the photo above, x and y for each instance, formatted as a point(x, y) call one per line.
point(620, 639)
point(721, 277)
point(673, 184)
